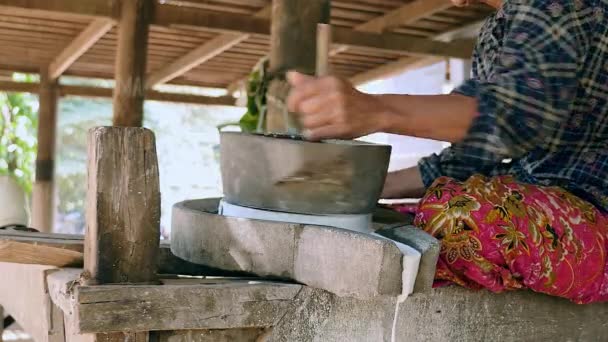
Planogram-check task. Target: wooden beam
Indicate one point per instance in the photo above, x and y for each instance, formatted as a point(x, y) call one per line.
point(195, 58)
point(202, 54)
point(176, 16)
point(87, 9)
point(87, 91)
point(150, 95)
point(19, 87)
point(42, 197)
point(174, 305)
point(131, 57)
point(408, 63)
point(87, 38)
point(405, 15)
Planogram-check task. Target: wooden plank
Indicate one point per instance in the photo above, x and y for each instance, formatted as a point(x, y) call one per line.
point(196, 57)
point(123, 227)
point(42, 198)
point(62, 250)
point(38, 251)
point(404, 15)
point(207, 305)
point(87, 38)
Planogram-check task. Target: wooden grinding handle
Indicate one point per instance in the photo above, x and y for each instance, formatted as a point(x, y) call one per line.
point(323, 46)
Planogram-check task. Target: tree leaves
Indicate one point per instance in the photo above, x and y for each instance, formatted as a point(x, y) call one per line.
point(257, 87)
point(18, 124)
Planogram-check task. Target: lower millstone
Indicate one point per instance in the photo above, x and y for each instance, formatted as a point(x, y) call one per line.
point(343, 262)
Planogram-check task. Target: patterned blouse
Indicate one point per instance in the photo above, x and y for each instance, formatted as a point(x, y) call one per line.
point(540, 75)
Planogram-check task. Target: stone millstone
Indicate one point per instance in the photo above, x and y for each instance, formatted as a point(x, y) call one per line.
point(289, 175)
point(343, 262)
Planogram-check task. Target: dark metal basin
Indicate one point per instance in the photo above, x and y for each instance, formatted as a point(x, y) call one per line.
point(292, 175)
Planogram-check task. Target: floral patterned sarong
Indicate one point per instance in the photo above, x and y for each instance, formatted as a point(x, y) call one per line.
point(502, 235)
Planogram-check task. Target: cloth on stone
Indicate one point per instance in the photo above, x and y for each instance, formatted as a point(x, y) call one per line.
point(500, 234)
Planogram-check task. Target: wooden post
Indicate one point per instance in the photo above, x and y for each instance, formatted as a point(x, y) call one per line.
point(42, 198)
point(123, 211)
point(131, 56)
point(123, 206)
point(293, 46)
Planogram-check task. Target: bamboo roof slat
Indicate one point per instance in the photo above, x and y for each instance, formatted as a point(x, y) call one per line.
point(32, 37)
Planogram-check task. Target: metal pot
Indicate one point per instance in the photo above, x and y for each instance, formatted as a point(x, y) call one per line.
point(287, 174)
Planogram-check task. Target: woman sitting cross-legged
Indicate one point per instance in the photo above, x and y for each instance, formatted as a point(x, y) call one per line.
point(520, 199)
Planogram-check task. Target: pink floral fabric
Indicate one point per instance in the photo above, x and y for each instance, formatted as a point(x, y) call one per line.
point(503, 235)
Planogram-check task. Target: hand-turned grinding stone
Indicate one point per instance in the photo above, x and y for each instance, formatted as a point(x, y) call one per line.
point(343, 262)
point(322, 178)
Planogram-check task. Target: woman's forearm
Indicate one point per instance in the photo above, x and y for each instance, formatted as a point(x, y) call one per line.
point(406, 183)
point(438, 117)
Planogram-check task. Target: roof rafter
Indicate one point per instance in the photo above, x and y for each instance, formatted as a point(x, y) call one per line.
point(175, 16)
point(87, 38)
point(201, 54)
point(405, 15)
point(408, 63)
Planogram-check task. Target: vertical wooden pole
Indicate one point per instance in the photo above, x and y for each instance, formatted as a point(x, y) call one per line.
point(42, 197)
point(293, 46)
point(131, 56)
point(123, 211)
point(123, 198)
point(123, 206)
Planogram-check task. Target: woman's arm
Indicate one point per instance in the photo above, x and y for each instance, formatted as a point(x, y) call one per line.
point(406, 183)
point(331, 108)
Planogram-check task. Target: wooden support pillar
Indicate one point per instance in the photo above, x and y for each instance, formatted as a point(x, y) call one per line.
point(123, 211)
point(293, 46)
point(42, 197)
point(123, 206)
point(131, 56)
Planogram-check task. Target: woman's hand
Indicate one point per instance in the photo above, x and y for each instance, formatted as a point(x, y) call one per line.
point(330, 107)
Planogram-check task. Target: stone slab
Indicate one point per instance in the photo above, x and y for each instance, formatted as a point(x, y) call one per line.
point(446, 314)
point(424, 243)
point(343, 262)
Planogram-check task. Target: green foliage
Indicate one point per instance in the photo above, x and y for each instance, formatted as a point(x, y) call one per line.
point(257, 86)
point(72, 192)
point(18, 122)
